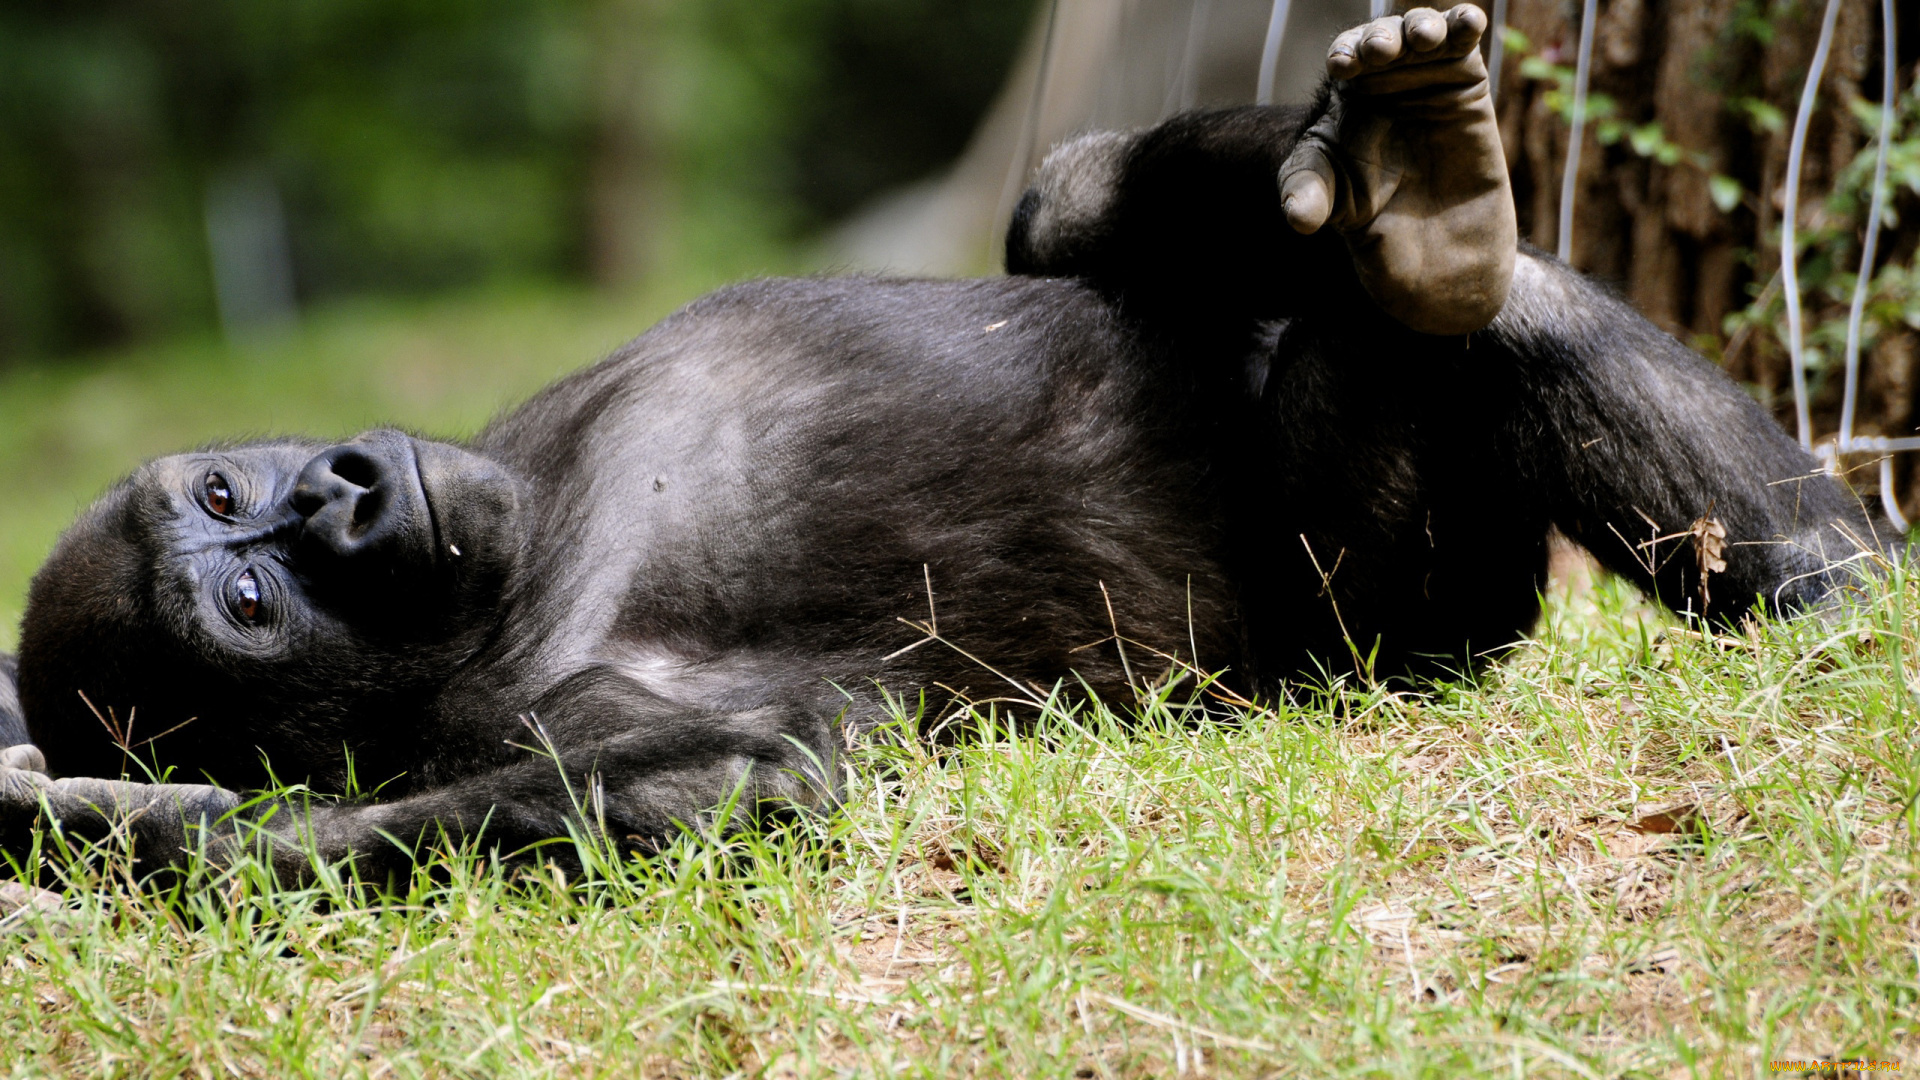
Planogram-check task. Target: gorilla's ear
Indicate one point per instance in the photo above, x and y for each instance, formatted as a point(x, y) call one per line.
point(13, 722)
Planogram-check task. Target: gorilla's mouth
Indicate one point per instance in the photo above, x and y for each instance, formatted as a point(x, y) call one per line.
point(436, 542)
point(469, 514)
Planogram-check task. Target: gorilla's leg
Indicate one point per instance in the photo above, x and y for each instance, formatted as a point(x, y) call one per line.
point(1385, 526)
point(1644, 452)
point(1406, 163)
point(1214, 218)
point(600, 756)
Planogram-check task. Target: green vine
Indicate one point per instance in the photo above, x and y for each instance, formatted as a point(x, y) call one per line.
point(1829, 250)
point(1648, 140)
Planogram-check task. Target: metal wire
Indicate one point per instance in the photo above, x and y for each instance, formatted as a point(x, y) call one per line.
point(1496, 48)
point(1381, 7)
point(1789, 252)
point(1569, 180)
point(1875, 204)
point(1022, 163)
point(1186, 82)
point(1845, 441)
point(1031, 135)
point(1270, 52)
point(1889, 501)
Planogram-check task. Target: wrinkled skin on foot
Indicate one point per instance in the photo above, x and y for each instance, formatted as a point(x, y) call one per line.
point(1407, 165)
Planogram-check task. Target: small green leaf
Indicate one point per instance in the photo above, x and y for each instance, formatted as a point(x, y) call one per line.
point(1647, 139)
point(1867, 113)
point(1761, 115)
point(1517, 41)
point(1725, 192)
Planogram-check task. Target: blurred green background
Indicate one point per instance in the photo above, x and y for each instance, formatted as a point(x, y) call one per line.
point(229, 217)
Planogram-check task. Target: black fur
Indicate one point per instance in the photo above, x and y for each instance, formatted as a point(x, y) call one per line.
point(686, 569)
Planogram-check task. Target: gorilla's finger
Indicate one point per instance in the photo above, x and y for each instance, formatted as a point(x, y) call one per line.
point(1343, 56)
point(20, 789)
point(24, 756)
point(1465, 24)
point(1394, 42)
point(1381, 43)
point(1306, 187)
point(1425, 29)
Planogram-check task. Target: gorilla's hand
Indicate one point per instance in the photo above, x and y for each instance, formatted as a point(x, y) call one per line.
point(1406, 163)
point(161, 818)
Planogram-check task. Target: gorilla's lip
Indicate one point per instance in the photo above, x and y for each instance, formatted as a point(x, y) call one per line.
point(434, 540)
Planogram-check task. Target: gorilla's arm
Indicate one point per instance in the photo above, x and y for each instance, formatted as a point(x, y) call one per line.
point(13, 722)
point(600, 757)
point(1631, 439)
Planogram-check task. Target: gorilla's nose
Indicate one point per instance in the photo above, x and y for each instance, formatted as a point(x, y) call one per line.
point(361, 502)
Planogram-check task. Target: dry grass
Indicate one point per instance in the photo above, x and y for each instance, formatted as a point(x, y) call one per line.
point(1632, 851)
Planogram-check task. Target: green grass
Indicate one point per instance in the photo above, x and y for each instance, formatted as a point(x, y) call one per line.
point(1631, 851)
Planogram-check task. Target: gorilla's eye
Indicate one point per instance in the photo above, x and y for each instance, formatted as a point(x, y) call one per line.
point(246, 596)
point(219, 495)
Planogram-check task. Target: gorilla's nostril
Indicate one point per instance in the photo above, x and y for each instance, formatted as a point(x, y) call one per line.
point(344, 493)
point(357, 469)
point(367, 508)
point(307, 502)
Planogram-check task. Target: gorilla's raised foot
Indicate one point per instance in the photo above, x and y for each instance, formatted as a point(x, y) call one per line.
point(1406, 164)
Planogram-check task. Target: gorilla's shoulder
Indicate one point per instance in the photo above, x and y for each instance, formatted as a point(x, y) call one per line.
point(856, 301)
point(882, 289)
point(846, 324)
point(858, 337)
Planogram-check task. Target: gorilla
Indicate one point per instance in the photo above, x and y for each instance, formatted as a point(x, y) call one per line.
point(1273, 392)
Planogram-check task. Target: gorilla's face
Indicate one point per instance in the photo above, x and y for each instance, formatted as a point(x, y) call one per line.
point(276, 548)
point(265, 586)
